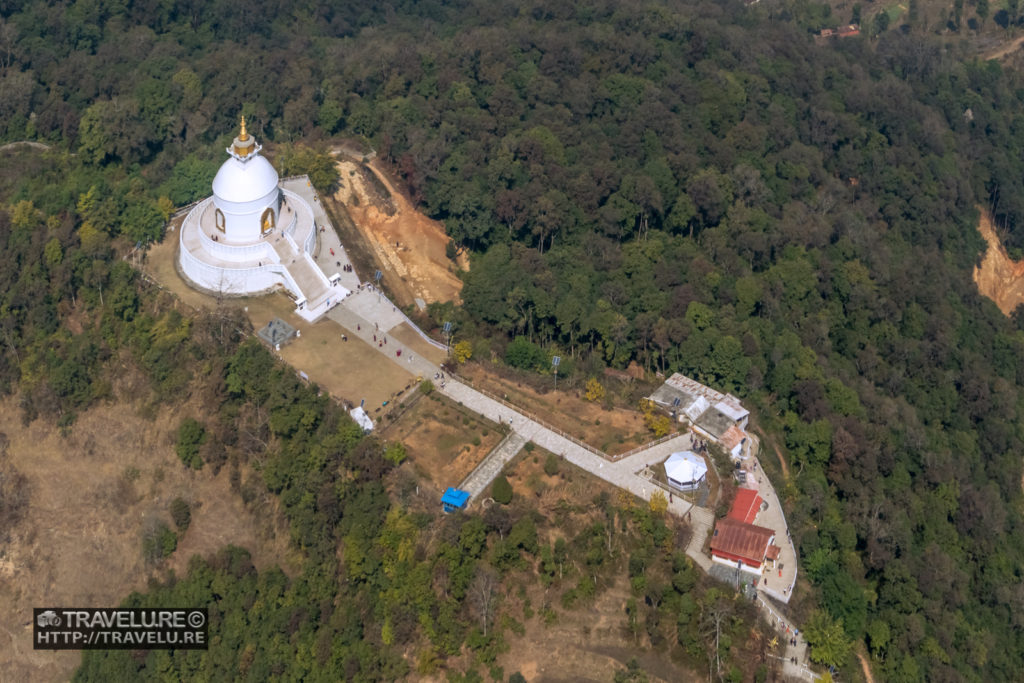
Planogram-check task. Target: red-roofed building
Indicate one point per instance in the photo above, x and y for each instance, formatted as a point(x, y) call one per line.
point(745, 506)
point(743, 546)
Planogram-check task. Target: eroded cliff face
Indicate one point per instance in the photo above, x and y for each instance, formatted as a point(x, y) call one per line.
point(998, 277)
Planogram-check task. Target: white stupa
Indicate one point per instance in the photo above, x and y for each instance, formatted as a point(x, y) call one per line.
point(253, 236)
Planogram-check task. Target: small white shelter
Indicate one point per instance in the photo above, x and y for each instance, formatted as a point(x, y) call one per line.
point(362, 419)
point(685, 470)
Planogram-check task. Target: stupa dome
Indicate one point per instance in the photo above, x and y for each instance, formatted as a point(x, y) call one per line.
point(244, 180)
point(245, 176)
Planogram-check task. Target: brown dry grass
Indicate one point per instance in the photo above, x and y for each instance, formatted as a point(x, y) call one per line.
point(612, 431)
point(91, 495)
point(589, 642)
point(446, 442)
point(350, 371)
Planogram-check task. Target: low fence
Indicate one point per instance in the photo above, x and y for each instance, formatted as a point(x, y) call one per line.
point(644, 447)
point(536, 419)
point(414, 326)
point(788, 629)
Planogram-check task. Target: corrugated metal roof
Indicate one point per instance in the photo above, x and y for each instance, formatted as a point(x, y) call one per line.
point(745, 506)
point(740, 539)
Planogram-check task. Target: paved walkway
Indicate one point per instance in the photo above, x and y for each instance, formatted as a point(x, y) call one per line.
point(657, 453)
point(622, 474)
point(776, 583)
point(795, 648)
point(357, 315)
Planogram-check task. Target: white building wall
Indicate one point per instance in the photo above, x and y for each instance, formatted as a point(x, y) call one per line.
point(242, 219)
point(733, 565)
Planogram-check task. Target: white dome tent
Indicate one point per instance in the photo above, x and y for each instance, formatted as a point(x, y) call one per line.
point(685, 470)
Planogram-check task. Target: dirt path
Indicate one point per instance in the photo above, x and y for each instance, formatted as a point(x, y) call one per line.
point(24, 143)
point(1003, 50)
point(866, 667)
point(767, 441)
point(998, 277)
point(406, 244)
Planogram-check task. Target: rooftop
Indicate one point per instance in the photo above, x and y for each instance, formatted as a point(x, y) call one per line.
point(732, 437)
point(276, 332)
point(715, 423)
point(745, 506)
point(455, 497)
point(740, 539)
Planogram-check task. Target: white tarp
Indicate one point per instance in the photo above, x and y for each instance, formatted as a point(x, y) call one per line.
point(361, 418)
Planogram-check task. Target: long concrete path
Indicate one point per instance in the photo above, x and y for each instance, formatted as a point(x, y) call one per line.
point(356, 315)
point(367, 314)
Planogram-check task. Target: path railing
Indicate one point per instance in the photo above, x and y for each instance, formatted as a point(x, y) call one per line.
point(414, 326)
point(533, 417)
point(644, 447)
point(487, 461)
point(791, 630)
point(556, 430)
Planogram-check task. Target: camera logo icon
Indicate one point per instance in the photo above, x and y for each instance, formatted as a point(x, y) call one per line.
point(48, 618)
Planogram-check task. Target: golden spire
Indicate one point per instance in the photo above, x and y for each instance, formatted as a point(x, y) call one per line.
point(243, 136)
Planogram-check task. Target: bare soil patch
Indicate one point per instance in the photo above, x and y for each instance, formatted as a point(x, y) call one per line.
point(446, 442)
point(407, 245)
point(610, 430)
point(91, 495)
point(998, 277)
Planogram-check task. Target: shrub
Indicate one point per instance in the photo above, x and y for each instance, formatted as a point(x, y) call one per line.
point(524, 354)
point(395, 453)
point(158, 542)
point(551, 465)
point(181, 513)
point(191, 435)
point(659, 503)
point(595, 391)
point(501, 491)
point(462, 351)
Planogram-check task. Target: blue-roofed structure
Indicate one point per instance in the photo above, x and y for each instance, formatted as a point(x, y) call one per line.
point(454, 499)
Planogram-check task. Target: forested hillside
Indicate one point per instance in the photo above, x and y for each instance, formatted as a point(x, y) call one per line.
point(698, 188)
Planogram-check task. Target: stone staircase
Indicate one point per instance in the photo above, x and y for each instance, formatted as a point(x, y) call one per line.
point(701, 521)
point(311, 282)
point(480, 478)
